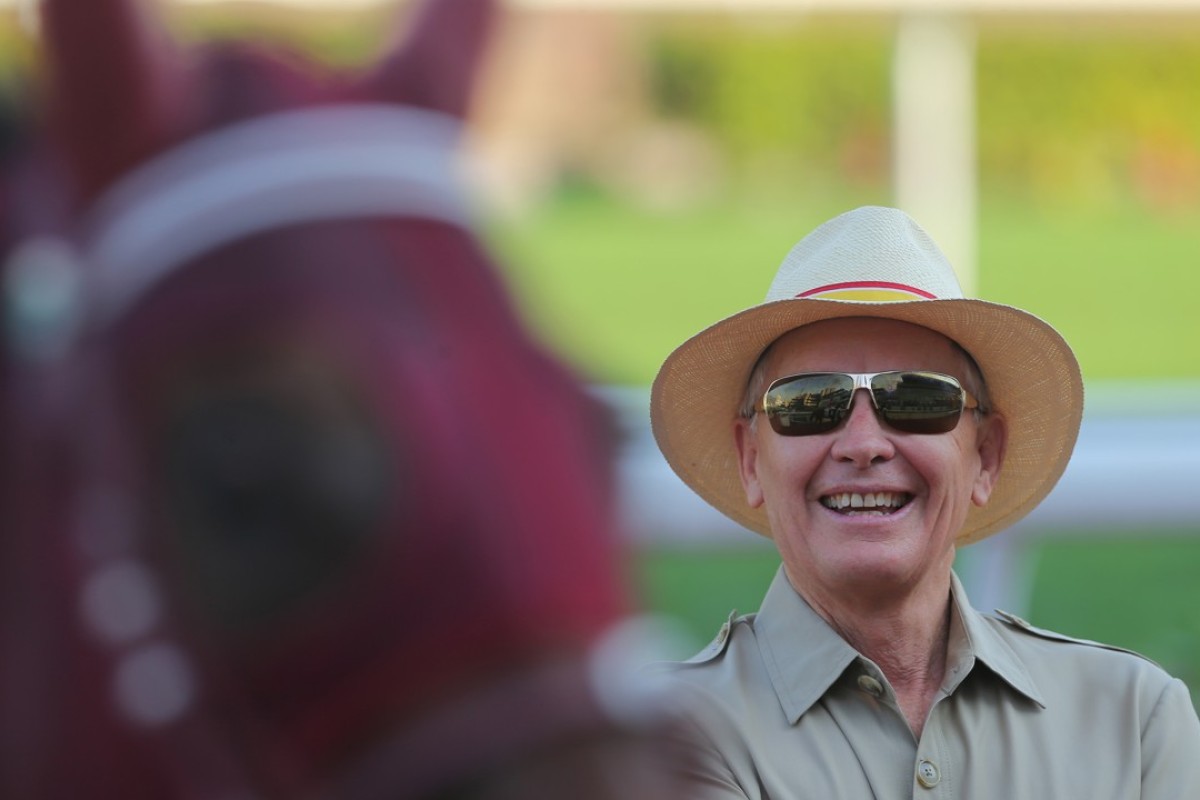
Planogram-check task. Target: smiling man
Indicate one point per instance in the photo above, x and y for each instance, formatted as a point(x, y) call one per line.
point(870, 420)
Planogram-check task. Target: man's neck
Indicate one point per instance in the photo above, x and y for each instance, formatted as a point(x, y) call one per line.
point(905, 634)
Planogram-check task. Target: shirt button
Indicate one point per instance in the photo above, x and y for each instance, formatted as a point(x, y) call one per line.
point(927, 774)
point(870, 685)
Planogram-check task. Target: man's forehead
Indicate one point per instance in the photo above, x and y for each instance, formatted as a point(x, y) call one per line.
point(840, 343)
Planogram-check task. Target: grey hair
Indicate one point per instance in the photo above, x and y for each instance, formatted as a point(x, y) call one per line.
point(756, 385)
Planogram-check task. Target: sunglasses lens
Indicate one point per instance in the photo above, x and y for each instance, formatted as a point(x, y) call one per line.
point(808, 404)
point(910, 402)
point(918, 402)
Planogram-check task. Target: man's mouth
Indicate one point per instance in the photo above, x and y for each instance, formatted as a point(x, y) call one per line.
point(876, 504)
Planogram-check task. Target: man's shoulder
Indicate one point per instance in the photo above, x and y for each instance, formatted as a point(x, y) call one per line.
point(724, 678)
point(1034, 641)
point(721, 641)
point(715, 651)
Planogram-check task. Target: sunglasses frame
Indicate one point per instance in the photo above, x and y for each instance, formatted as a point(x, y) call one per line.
point(863, 380)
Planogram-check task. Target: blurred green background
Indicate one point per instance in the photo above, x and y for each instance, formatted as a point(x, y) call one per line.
point(1089, 216)
point(654, 168)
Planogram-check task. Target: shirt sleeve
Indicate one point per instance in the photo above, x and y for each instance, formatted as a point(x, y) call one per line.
point(701, 767)
point(1171, 747)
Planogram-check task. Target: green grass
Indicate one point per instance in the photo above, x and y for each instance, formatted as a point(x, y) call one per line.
point(1121, 287)
point(614, 289)
point(698, 589)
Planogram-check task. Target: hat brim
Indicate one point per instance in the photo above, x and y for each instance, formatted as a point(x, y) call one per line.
point(1032, 377)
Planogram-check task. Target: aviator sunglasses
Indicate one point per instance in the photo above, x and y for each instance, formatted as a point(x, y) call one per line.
point(907, 400)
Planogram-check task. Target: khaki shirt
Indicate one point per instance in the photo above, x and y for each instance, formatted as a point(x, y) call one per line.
point(785, 708)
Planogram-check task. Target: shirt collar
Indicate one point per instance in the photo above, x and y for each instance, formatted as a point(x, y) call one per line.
point(804, 655)
point(976, 638)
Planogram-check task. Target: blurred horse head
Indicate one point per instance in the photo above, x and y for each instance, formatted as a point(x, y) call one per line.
point(307, 479)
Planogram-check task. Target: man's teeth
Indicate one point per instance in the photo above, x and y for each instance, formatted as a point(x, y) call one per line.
point(873, 502)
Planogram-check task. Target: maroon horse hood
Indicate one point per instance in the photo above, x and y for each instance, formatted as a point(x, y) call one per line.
point(318, 476)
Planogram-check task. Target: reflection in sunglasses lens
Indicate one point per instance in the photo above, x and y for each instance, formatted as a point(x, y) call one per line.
point(920, 404)
point(910, 402)
point(809, 404)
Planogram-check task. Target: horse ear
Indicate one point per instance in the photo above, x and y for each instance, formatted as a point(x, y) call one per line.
point(434, 66)
point(116, 86)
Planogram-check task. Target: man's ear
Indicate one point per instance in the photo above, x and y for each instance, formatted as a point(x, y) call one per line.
point(747, 447)
point(991, 442)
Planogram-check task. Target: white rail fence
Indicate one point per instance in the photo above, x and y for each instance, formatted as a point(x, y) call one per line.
point(1133, 471)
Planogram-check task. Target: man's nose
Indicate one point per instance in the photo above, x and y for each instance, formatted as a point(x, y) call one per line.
point(862, 439)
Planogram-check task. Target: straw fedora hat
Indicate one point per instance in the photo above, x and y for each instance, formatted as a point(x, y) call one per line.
point(873, 262)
